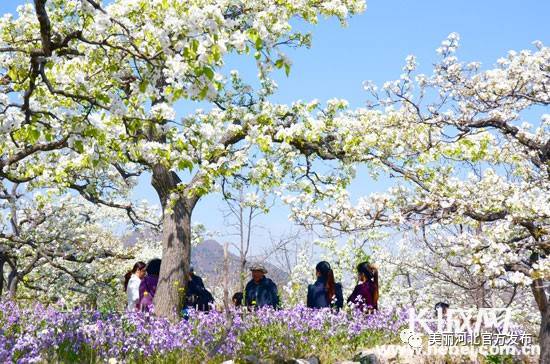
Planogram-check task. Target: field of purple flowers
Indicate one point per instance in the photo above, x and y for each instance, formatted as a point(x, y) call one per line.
point(42, 334)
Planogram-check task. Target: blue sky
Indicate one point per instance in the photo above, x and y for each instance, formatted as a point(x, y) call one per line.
point(373, 47)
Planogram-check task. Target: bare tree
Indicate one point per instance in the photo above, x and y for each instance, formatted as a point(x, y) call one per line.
point(240, 215)
point(283, 250)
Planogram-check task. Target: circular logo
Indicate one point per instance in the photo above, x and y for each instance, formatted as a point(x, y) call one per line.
point(415, 341)
point(405, 334)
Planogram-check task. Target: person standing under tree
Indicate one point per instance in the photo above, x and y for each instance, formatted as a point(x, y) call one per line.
point(325, 292)
point(237, 299)
point(365, 294)
point(148, 286)
point(197, 296)
point(261, 291)
point(132, 281)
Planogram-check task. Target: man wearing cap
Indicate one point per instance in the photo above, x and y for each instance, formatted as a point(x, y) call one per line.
point(261, 291)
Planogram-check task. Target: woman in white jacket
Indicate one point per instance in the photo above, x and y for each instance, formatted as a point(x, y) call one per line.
point(132, 280)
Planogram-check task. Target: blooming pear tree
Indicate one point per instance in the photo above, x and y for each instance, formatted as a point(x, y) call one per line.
point(88, 93)
point(467, 157)
point(437, 269)
point(503, 200)
point(59, 246)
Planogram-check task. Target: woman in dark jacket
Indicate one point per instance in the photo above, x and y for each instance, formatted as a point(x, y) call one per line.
point(324, 292)
point(365, 294)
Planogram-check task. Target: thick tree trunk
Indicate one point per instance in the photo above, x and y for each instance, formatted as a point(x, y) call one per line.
point(544, 336)
point(176, 255)
point(541, 298)
point(176, 245)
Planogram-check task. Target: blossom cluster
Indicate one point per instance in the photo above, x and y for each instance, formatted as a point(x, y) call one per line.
point(39, 333)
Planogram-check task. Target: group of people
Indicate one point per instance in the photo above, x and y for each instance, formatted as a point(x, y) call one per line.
point(141, 284)
point(325, 292)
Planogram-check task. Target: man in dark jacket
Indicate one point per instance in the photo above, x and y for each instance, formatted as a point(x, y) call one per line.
point(261, 291)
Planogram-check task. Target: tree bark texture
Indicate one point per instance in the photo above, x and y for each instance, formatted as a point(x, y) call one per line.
point(176, 245)
point(541, 297)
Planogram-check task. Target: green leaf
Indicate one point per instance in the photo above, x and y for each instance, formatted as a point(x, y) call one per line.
point(79, 146)
point(287, 69)
point(143, 85)
point(216, 55)
point(12, 73)
point(253, 35)
point(195, 45)
point(34, 135)
point(48, 136)
point(258, 43)
point(188, 53)
point(185, 165)
point(208, 72)
point(103, 98)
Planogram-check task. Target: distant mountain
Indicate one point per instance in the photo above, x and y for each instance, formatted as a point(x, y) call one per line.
point(207, 259)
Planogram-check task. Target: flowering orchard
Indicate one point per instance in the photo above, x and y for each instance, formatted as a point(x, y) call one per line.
point(45, 334)
point(87, 107)
point(96, 94)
